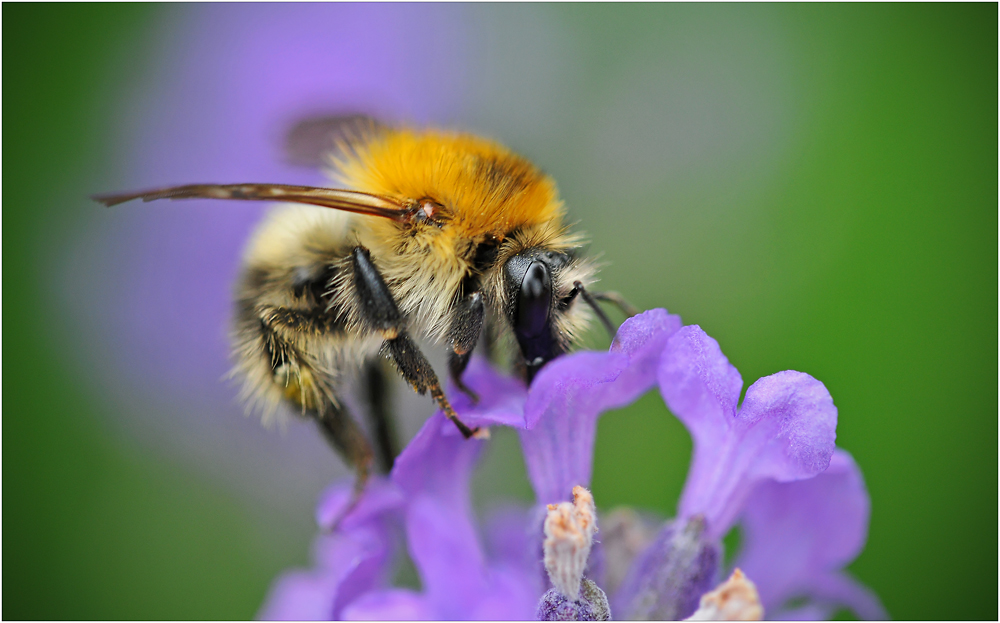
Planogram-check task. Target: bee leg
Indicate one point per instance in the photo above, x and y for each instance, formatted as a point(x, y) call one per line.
point(310, 389)
point(380, 312)
point(346, 437)
point(466, 326)
point(418, 372)
point(457, 362)
point(376, 392)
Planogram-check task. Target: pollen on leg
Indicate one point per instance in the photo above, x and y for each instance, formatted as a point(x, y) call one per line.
point(390, 334)
point(297, 384)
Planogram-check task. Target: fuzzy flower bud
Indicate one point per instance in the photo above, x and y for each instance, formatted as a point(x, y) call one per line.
point(735, 599)
point(569, 537)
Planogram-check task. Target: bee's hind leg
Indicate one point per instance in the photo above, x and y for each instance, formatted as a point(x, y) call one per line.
point(347, 439)
point(382, 315)
point(307, 387)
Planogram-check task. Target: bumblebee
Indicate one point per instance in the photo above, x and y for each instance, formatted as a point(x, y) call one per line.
point(443, 236)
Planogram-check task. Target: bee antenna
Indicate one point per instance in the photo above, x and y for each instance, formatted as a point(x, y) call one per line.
point(337, 199)
point(597, 309)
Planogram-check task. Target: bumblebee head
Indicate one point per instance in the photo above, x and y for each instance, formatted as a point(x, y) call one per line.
point(528, 280)
point(540, 289)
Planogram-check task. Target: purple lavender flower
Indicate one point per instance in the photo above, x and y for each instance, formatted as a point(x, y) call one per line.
point(757, 462)
point(349, 562)
point(427, 494)
point(570, 393)
point(783, 432)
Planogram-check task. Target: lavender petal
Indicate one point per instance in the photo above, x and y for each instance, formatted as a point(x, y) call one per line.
point(380, 496)
point(348, 564)
point(300, 596)
point(570, 393)
point(389, 605)
point(793, 414)
point(797, 536)
point(785, 429)
point(513, 538)
point(840, 589)
point(501, 398)
point(699, 385)
point(433, 473)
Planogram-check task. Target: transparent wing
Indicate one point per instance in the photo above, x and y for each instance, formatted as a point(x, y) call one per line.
point(311, 140)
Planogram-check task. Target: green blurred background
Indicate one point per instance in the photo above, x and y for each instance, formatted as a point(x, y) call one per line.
point(852, 238)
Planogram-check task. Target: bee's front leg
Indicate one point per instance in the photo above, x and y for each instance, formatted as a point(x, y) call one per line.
point(466, 325)
point(380, 312)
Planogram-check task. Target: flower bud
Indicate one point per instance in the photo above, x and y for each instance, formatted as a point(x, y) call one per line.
point(569, 537)
point(735, 599)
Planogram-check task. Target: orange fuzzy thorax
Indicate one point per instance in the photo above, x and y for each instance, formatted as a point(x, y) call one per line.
point(484, 188)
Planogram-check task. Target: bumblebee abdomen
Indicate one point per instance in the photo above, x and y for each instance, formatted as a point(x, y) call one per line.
point(293, 336)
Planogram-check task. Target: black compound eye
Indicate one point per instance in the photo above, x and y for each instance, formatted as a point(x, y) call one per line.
point(534, 302)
